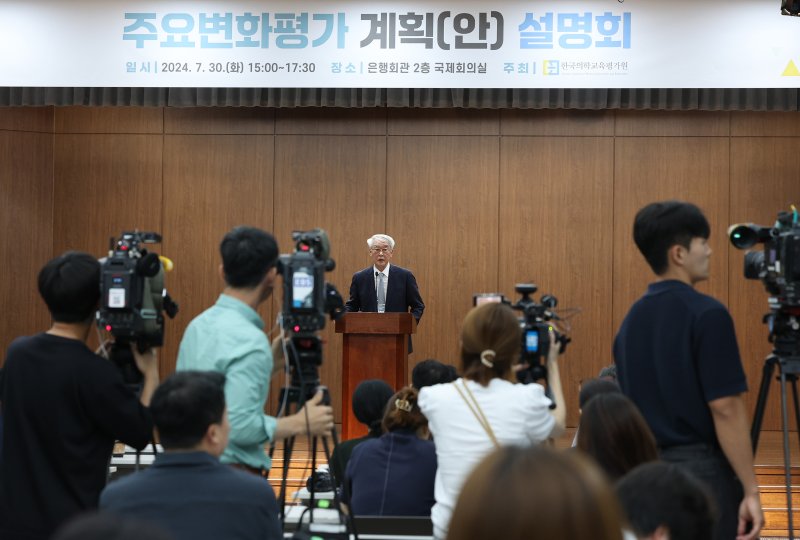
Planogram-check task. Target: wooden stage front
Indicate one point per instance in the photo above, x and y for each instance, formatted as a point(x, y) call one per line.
point(769, 471)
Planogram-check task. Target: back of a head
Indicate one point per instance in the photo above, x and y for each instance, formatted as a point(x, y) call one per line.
point(615, 434)
point(490, 342)
point(70, 286)
point(430, 372)
point(102, 526)
point(248, 254)
point(661, 225)
point(536, 494)
point(595, 387)
point(369, 403)
point(402, 411)
point(661, 494)
point(185, 405)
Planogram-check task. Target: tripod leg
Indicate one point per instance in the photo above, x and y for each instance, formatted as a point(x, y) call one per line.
point(786, 456)
point(313, 476)
point(288, 445)
point(763, 392)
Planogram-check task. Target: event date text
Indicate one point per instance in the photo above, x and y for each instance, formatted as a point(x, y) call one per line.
point(238, 67)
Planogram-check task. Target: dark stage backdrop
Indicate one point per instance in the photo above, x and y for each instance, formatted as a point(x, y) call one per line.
point(477, 200)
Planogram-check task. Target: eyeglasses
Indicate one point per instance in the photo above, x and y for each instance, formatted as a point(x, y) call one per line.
point(380, 250)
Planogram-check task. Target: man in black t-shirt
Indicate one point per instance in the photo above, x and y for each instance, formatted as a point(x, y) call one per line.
point(677, 359)
point(63, 408)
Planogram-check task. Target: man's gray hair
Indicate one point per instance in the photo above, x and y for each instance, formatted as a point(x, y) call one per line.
point(384, 237)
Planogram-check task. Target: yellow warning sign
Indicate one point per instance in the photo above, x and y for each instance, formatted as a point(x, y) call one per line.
point(791, 70)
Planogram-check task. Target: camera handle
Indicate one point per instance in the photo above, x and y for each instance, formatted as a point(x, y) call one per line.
point(788, 371)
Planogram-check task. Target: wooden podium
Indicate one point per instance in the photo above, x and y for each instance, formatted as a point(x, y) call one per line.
point(375, 347)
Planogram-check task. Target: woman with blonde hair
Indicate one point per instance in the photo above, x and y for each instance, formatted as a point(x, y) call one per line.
point(486, 409)
point(536, 494)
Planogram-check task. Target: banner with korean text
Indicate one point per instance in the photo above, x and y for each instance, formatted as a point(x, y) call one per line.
point(466, 44)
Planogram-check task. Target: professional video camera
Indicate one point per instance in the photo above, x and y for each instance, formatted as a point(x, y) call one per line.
point(536, 325)
point(778, 267)
point(133, 298)
point(307, 299)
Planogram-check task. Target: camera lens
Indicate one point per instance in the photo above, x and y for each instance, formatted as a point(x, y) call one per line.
point(753, 264)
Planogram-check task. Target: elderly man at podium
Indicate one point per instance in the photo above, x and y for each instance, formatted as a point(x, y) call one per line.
point(383, 287)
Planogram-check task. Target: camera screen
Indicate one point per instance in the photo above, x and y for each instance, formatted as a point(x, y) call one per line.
point(303, 288)
point(486, 298)
point(532, 341)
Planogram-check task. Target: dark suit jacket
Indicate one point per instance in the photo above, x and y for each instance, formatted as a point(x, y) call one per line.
point(402, 293)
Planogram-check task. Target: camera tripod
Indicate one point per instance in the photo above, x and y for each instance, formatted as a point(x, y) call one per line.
point(788, 371)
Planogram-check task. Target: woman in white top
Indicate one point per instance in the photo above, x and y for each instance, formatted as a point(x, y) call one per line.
point(485, 409)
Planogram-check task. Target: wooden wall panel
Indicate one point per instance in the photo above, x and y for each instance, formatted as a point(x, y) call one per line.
point(557, 123)
point(330, 121)
point(338, 184)
point(26, 230)
point(556, 214)
point(764, 173)
point(754, 123)
point(109, 120)
point(211, 184)
point(443, 122)
point(653, 169)
point(442, 209)
point(219, 121)
point(672, 124)
point(38, 119)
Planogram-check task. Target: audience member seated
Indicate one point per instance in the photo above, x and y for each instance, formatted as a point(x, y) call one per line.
point(101, 526)
point(430, 372)
point(369, 403)
point(536, 494)
point(187, 491)
point(663, 502)
point(486, 409)
point(615, 434)
point(394, 474)
point(591, 388)
point(63, 407)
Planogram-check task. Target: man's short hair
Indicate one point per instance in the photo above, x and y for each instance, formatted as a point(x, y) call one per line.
point(380, 237)
point(248, 254)
point(662, 494)
point(661, 225)
point(70, 286)
point(185, 404)
point(430, 372)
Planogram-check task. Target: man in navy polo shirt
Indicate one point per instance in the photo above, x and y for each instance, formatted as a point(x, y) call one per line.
point(677, 359)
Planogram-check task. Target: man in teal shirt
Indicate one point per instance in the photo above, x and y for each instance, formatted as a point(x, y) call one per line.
point(229, 338)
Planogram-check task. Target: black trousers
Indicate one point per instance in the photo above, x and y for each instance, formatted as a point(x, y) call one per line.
point(709, 465)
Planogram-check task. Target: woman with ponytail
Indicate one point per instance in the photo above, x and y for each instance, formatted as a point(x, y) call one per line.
point(486, 408)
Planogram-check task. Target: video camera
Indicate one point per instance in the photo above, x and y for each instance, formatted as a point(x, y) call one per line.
point(307, 299)
point(132, 298)
point(778, 267)
point(536, 326)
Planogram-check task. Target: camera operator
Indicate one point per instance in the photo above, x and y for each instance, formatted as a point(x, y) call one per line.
point(484, 410)
point(63, 408)
point(229, 338)
point(677, 359)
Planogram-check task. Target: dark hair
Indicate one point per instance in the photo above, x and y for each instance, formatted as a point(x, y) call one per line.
point(662, 494)
point(247, 255)
point(106, 526)
point(185, 404)
point(369, 403)
point(430, 372)
point(613, 431)
point(70, 286)
point(489, 327)
point(661, 225)
point(398, 418)
point(594, 387)
point(572, 500)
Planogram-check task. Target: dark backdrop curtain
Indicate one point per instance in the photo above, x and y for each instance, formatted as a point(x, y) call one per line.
point(681, 99)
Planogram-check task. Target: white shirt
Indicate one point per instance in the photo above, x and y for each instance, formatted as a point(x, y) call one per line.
point(519, 415)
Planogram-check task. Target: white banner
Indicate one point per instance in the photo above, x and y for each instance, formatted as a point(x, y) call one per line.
point(468, 44)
